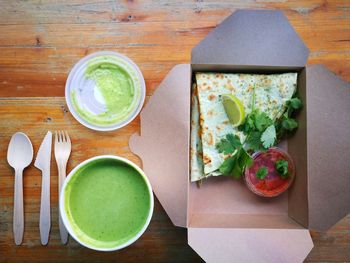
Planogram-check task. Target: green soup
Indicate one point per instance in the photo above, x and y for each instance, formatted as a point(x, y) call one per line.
point(107, 203)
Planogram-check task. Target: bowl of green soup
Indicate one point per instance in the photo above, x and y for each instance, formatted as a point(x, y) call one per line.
point(106, 203)
point(105, 91)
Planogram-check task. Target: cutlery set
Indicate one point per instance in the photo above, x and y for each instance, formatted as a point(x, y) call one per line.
point(20, 156)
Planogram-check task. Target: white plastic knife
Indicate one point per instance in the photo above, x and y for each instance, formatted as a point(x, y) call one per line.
point(42, 162)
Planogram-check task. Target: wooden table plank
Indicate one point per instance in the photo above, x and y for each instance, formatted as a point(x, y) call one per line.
point(39, 43)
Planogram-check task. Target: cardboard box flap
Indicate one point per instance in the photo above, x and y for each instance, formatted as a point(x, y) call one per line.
point(328, 147)
point(248, 245)
point(252, 37)
point(163, 144)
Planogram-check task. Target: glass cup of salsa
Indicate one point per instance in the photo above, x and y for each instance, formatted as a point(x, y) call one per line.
point(273, 184)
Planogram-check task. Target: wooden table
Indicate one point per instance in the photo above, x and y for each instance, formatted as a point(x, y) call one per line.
point(40, 42)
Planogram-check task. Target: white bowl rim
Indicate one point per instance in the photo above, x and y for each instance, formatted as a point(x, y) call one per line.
point(64, 215)
point(117, 125)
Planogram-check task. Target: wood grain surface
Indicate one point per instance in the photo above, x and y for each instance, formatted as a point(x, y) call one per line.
point(39, 43)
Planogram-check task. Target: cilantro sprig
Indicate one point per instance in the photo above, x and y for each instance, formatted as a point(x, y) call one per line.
point(261, 133)
point(259, 130)
point(261, 172)
point(281, 167)
point(286, 123)
point(238, 158)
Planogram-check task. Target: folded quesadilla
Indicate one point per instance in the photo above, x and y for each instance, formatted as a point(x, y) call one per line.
point(209, 122)
point(197, 166)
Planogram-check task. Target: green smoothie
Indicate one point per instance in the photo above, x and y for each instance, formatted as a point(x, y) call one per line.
point(118, 86)
point(107, 203)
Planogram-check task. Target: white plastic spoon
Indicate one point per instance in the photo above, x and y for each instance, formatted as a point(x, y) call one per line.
point(19, 156)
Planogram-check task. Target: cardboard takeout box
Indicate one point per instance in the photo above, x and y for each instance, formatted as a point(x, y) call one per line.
point(225, 221)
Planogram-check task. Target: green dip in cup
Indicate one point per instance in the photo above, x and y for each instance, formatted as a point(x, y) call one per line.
point(105, 91)
point(106, 203)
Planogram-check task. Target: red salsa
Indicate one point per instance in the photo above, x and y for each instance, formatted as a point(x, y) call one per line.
point(271, 183)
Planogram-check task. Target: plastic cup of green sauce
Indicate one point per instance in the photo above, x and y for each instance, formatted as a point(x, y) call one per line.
point(105, 91)
point(106, 203)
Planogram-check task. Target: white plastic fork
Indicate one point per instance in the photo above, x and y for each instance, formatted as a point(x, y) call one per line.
point(62, 151)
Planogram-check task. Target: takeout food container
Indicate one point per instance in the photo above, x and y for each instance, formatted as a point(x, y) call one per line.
point(225, 221)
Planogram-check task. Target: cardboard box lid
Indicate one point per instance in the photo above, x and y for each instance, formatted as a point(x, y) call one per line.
point(252, 37)
point(248, 245)
point(163, 144)
point(320, 196)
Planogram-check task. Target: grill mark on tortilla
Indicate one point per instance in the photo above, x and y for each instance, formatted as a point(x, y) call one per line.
point(206, 159)
point(210, 113)
point(210, 138)
point(229, 86)
point(212, 97)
